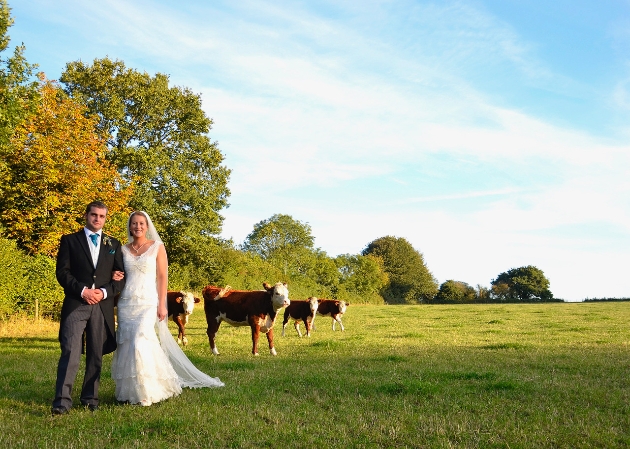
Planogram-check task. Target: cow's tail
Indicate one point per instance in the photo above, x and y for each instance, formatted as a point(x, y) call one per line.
point(223, 292)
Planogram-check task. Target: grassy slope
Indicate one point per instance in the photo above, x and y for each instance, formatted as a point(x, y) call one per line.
point(550, 375)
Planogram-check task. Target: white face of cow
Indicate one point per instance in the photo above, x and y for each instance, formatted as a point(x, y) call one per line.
point(188, 301)
point(342, 307)
point(280, 296)
point(312, 301)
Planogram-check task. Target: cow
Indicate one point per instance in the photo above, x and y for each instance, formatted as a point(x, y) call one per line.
point(334, 309)
point(301, 311)
point(180, 305)
point(256, 309)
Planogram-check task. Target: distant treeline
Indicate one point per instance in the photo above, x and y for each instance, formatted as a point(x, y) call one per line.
point(606, 299)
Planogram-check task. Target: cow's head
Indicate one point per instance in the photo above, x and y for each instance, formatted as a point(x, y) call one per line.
point(313, 302)
point(279, 295)
point(188, 302)
point(342, 306)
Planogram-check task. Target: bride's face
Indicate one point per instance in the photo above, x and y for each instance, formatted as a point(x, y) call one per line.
point(138, 226)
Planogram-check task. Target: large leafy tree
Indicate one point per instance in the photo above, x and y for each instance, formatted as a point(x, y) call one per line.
point(455, 292)
point(55, 167)
point(279, 236)
point(410, 281)
point(159, 138)
point(288, 245)
point(18, 88)
point(361, 277)
point(523, 284)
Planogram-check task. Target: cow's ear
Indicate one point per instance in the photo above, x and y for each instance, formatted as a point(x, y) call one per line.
point(347, 304)
point(266, 286)
point(179, 299)
point(285, 284)
point(197, 300)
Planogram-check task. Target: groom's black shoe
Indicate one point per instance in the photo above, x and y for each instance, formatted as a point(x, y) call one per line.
point(90, 407)
point(59, 410)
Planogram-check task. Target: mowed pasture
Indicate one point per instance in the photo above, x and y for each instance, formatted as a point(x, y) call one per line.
point(467, 376)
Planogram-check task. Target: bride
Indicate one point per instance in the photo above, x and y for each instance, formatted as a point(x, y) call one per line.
point(147, 369)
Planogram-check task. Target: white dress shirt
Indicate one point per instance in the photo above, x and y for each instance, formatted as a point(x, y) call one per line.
point(94, 252)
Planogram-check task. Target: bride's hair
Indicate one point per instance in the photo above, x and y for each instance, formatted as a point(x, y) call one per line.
point(152, 233)
point(139, 212)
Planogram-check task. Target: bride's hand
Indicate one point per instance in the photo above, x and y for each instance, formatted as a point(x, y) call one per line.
point(118, 275)
point(162, 312)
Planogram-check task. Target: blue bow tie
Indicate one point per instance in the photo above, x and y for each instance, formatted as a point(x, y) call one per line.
point(94, 238)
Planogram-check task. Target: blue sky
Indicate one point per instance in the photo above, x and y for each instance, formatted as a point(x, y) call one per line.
point(491, 134)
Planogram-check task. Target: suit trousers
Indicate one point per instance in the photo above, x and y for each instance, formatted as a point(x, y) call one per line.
point(88, 318)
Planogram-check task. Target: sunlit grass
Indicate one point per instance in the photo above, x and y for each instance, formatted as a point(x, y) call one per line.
point(548, 375)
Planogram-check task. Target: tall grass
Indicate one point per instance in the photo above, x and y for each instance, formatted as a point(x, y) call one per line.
point(504, 376)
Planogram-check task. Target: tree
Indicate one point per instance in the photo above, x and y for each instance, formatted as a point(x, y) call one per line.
point(158, 137)
point(278, 236)
point(361, 278)
point(523, 284)
point(56, 166)
point(410, 281)
point(18, 90)
point(455, 292)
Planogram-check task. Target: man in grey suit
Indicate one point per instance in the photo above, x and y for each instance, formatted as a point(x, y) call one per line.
point(85, 263)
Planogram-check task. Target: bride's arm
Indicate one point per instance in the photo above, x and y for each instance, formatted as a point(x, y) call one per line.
point(162, 282)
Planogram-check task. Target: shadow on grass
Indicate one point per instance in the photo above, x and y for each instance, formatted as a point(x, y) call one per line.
point(11, 344)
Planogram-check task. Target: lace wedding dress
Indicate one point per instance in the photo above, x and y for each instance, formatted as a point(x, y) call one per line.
point(147, 369)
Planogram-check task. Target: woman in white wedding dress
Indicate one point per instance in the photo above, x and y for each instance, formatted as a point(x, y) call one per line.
point(147, 369)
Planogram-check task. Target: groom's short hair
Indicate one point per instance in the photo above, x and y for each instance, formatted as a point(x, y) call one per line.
point(97, 204)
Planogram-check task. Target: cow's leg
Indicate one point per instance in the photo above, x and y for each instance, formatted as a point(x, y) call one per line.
point(338, 320)
point(180, 325)
point(296, 324)
point(272, 350)
point(255, 335)
point(183, 319)
point(284, 325)
point(308, 324)
point(212, 332)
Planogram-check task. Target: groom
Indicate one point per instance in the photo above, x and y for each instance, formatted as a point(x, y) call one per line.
point(85, 263)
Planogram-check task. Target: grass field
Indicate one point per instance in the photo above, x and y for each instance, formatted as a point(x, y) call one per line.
point(469, 376)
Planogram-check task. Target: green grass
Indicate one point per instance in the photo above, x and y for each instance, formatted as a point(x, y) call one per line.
point(486, 376)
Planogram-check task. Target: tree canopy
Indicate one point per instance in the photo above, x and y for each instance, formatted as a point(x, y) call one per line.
point(455, 292)
point(523, 284)
point(279, 236)
point(158, 138)
point(18, 89)
point(361, 277)
point(56, 166)
point(410, 281)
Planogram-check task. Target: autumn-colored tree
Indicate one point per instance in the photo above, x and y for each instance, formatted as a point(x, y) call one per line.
point(18, 88)
point(56, 166)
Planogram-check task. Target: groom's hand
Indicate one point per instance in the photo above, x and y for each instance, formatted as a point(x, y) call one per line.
point(92, 296)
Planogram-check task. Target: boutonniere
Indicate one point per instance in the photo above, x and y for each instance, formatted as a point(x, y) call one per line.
point(107, 241)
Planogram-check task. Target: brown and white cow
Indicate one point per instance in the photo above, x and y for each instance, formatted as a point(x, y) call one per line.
point(334, 309)
point(256, 309)
point(301, 311)
point(180, 305)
